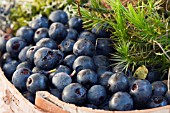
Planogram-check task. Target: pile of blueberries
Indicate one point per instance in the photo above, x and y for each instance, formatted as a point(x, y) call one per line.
point(56, 54)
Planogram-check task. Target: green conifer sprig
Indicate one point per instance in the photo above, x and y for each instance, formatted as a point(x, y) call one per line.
point(141, 33)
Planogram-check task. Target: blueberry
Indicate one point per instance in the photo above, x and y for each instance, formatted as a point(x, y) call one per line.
point(3, 41)
point(59, 16)
point(87, 77)
point(96, 94)
point(19, 78)
point(153, 76)
point(74, 93)
point(83, 62)
point(61, 80)
point(159, 88)
point(120, 68)
point(121, 101)
point(30, 53)
point(39, 22)
point(66, 46)
point(88, 36)
point(141, 91)
point(55, 92)
point(26, 33)
point(90, 106)
point(60, 56)
point(37, 82)
point(105, 104)
point(22, 54)
point(100, 32)
point(60, 68)
point(29, 96)
point(103, 79)
point(36, 70)
point(50, 76)
point(167, 96)
point(6, 57)
point(46, 58)
point(101, 61)
point(9, 68)
point(63, 68)
point(72, 34)
point(131, 80)
point(118, 82)
point(76, 23)
point(15, 45)
point(24, 65)
point(156, 101)
point(69, 60)
point(104, 46)
point(40, 33)
point(102, 69)
point(47, 42)
point(84, 47)
point(57, 32)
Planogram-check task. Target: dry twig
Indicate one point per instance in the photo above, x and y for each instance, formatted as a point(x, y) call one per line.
point(164, 52)
point(168, 80)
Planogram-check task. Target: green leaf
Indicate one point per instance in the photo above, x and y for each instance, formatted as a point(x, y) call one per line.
point(141, 72)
